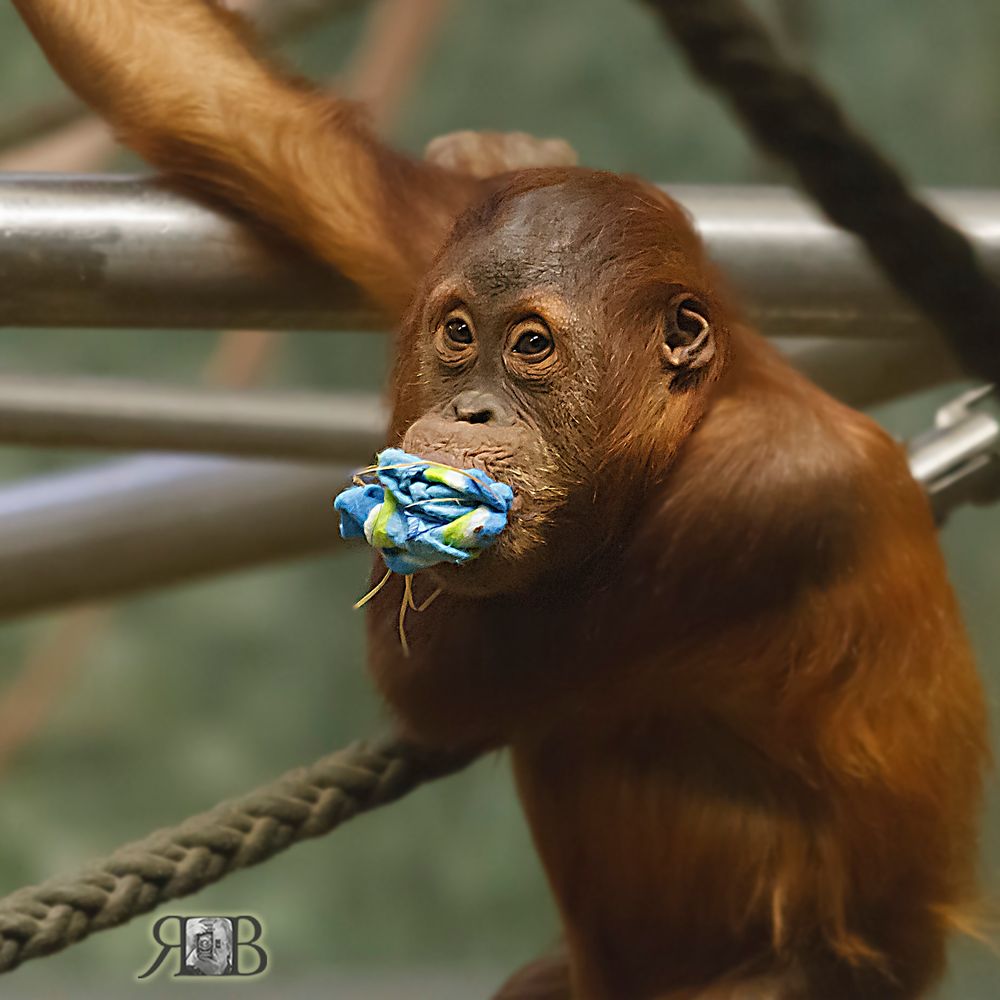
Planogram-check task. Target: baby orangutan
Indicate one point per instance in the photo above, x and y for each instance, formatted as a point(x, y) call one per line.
point(716, 636)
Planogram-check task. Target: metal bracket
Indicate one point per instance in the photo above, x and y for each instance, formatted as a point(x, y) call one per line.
point(958, 461)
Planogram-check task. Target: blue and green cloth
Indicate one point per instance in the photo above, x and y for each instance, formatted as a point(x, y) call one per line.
point(417, 513)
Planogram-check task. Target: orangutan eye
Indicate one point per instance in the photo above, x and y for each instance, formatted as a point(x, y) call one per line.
point(457, 331)
point(533, 345)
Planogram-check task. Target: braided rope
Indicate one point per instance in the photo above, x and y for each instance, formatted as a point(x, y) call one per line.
point(306, 802)
point(793, 118)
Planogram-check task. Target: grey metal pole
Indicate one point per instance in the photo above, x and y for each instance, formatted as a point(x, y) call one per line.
point(118, 527)
point(109, 251)
point(137, 416)
point(128, 252)
point(140, 416)
point(145, 522)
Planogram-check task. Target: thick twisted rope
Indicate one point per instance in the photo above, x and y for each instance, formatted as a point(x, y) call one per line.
point(792, 117)
point(306, 802)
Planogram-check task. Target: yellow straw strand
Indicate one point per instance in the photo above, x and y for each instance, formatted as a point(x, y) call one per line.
point(430, 600)
point(408, 592)
point(407, 598)
point(373, 470)
point(407, 603)
point(371, 593)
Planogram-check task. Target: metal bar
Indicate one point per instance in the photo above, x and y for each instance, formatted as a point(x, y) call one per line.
point(145, 522)
point(114, 528)
point(139, 416)
point(958, 460)
point(118, 527)
point(129, 252)
point(108, 414)
point(865, 371)
point(125, 252)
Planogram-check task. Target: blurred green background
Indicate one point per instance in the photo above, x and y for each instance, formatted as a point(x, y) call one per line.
point(438, 896)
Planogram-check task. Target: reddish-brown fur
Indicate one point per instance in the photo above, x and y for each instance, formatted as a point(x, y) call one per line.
point(743, 715)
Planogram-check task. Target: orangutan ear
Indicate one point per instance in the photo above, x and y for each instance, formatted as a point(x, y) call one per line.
point(688, 336)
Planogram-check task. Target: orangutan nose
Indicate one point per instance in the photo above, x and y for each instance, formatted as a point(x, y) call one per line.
point(477, 407)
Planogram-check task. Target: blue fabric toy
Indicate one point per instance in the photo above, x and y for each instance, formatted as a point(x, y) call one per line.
point(419, 513)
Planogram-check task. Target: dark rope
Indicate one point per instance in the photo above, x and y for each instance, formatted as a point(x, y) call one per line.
point(306, 802)
point(792, 117)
